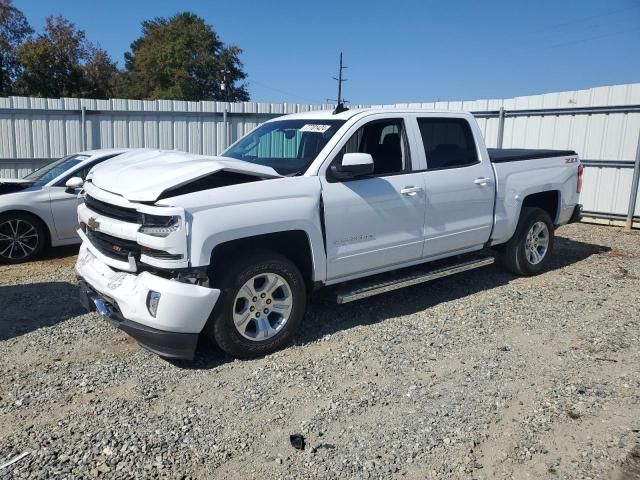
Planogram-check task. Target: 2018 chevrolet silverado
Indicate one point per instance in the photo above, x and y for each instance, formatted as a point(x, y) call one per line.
point(176, 245)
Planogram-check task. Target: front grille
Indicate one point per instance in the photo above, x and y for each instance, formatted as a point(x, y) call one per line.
point(113, 247)
point(111, 211)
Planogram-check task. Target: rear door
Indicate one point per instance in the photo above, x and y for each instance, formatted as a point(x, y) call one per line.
point(459, 184)
point(376, 221)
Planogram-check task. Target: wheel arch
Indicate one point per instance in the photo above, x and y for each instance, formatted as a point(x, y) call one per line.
point(294, 245)
point(549, 201)
point(508, 212)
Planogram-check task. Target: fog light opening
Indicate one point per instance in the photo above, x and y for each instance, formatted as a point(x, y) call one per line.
point(153, 299)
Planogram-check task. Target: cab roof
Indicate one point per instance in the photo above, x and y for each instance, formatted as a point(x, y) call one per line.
point(347, 114)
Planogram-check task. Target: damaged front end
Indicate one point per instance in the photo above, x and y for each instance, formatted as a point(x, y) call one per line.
point(149, 176)
point(134, 260)
point(219, 179)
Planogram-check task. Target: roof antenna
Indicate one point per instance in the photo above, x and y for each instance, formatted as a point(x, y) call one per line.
point(340, 102)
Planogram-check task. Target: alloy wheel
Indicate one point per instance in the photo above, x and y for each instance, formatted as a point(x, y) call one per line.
point(18, 239)
point(262, 306)
point(537, 242)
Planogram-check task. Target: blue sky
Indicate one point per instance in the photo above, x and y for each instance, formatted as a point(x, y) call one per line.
point(397, 50)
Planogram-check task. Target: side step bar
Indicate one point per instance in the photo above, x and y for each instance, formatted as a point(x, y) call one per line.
point(376, 288)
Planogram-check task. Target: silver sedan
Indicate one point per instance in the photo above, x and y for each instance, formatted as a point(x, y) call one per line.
point(39, 210)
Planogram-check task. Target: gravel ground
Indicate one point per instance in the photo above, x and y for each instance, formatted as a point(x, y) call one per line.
point(482, 375)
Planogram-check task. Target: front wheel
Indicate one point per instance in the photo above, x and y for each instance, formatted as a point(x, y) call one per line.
point(22, 238)
point(529, 250)
point(263, 302)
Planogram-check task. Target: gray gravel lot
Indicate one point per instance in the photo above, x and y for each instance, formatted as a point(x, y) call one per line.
point(482, 375)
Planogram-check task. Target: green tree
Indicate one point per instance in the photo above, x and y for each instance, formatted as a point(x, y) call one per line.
point(61, 62)
point(14, 29)
point(183, 58)
point(52, 62)
point(101, 75)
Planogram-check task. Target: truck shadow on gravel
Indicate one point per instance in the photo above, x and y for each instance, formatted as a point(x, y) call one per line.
point(325, 317)
point(27, 307)
point(60, 252)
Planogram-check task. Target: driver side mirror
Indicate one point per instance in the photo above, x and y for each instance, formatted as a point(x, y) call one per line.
point(353, 165)
point(73, 184)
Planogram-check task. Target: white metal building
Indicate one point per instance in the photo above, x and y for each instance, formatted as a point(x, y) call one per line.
point(602, 124)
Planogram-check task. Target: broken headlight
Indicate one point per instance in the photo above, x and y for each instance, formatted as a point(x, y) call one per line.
point(159, 225)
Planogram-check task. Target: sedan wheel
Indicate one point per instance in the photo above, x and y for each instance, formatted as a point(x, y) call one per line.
point(21, 239)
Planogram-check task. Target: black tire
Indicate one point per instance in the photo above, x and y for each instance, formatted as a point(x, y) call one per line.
point(221, 328)
point(33, 235)
point(514, 254)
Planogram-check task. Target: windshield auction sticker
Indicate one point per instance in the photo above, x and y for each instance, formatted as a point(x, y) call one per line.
point(312, 127)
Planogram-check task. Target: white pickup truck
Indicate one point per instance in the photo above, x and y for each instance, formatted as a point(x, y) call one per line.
point(176, 245)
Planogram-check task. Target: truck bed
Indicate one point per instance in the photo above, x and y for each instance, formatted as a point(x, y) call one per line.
point(501, 155)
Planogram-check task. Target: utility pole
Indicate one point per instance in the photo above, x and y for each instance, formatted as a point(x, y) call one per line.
point(224, 86)
point(340, 102)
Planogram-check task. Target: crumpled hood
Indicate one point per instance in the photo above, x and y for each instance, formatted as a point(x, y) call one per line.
point(144, 175)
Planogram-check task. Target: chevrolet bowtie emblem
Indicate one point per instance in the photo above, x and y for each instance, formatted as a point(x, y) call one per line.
point(92, 223)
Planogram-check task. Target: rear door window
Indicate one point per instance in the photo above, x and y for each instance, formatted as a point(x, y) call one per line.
point(448, 143)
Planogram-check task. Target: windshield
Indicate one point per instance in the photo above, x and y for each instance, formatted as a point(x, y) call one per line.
point(287, 146)
point(44, 175)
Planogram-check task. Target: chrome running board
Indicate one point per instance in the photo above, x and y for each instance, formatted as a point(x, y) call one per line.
point(402, 279)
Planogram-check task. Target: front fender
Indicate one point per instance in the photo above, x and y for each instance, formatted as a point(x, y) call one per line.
point(255, 208)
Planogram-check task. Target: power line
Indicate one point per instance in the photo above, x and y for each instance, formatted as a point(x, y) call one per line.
point(569, 42)
point(288, 94)
point(583, 19)
point(588, 39)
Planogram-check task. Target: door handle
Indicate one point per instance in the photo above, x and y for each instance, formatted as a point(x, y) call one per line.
point(410, 190)
point(482, 181)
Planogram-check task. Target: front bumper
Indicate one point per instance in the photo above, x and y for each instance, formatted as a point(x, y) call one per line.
point(183, 308)
point(164, 344)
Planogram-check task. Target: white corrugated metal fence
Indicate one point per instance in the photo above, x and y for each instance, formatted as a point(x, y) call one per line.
point(602, 124)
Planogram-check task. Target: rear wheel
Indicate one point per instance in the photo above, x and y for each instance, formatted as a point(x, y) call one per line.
point(529, 250)
point(263, 302)
point(22, 238)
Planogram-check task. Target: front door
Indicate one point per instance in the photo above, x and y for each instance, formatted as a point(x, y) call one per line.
point(377, 221)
